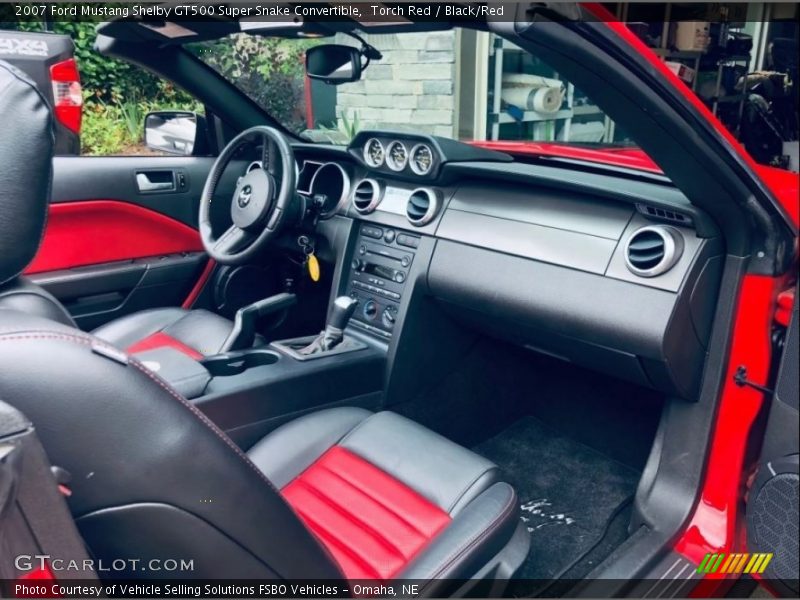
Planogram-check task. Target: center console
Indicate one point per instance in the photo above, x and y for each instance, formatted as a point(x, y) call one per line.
point(251, 387)
point(377, 277)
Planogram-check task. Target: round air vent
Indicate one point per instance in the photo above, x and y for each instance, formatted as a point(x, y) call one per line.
point(423, 204)
point(651, 251)
point(366, 196)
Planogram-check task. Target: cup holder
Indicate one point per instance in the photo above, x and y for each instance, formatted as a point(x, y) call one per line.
point(239, 362)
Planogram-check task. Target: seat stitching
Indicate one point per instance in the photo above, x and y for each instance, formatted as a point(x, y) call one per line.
point(474, 539)
point(338, 508)
point(371, 497)
point(322, 532)
point(469, 486)
point(88, 341)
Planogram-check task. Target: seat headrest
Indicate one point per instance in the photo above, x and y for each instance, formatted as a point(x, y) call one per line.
point(26, 166)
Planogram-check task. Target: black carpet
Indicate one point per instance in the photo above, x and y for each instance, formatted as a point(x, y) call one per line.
point(568, 493)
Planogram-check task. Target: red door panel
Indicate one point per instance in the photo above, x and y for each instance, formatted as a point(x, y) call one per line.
point(100, 231)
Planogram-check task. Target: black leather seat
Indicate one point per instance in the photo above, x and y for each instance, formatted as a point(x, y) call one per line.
point(26, 151)
point(338, 493)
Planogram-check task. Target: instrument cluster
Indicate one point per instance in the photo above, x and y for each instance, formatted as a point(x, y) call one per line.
point(399, 156)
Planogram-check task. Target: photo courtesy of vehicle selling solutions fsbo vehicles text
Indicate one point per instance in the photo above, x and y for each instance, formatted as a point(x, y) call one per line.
point(399, 299)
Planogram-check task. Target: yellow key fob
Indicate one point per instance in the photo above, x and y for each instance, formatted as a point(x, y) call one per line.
point(313, 267)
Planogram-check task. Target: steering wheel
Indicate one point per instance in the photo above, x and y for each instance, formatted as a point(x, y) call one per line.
point(261, 202)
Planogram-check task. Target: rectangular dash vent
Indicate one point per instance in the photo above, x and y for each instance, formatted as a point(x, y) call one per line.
point(664, 215)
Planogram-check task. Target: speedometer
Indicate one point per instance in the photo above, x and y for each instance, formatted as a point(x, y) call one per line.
point(373, 153)
point(396, 156)
point(421, 159)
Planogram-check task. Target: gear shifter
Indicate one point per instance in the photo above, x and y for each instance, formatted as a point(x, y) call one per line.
point(333, 334)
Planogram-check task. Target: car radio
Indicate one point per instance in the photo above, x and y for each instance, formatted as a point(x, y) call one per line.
point(377, 276)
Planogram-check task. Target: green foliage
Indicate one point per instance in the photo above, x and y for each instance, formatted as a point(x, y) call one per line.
point(102, 131)
point(271, 71)
point(117, 95)
point(345, 130)
point(132, 113)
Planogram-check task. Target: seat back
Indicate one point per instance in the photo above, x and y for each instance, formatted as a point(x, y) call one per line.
point(152, 477)
point(26, 170)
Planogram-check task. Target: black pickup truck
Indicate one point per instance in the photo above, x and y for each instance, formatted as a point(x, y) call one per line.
point(47, 58)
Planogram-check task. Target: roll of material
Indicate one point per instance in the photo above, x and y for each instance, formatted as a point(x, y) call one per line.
point(527, 80)
point(532, 92)
point(592, 131)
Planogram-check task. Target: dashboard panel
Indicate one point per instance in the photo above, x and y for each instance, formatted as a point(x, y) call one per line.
point(617, 275)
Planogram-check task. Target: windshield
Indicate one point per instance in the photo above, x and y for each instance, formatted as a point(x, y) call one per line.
point(461, 84)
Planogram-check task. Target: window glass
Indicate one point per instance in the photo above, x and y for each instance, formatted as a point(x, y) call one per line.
point(457, 84)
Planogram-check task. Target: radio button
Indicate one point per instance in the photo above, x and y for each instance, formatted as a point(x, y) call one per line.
point(399, 277)
point(389, 236)
point(409, 241)
point(373, 232)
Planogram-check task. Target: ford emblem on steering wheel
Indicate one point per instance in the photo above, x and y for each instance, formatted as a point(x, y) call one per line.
point(244, 196)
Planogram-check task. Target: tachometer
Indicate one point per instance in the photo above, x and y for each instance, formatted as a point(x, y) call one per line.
point(396, 156)
point(373, 153)
point(421, 159)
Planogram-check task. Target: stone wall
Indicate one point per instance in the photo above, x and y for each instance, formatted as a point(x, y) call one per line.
point(411, 89)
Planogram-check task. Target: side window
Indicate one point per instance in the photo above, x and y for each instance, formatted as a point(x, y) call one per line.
point(99, 103)
point(116, 98)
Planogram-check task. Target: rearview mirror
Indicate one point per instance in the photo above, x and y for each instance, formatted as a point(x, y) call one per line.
point(173, 132)
point(333, 63)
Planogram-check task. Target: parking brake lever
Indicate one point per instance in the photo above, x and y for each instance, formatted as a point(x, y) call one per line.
point(244, 325)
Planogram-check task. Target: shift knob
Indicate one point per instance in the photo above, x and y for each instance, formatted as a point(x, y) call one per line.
point(343, 308)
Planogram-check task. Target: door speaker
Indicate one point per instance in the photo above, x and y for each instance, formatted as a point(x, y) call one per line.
point(772, 520)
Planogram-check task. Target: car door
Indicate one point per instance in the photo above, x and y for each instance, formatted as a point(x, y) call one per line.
point(122, 235)
point(772, 500)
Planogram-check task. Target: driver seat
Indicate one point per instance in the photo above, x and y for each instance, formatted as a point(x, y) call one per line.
point(26, 167)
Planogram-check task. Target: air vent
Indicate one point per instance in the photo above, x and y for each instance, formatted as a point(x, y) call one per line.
point(664, 214)
point(366, 196)
point(423, 204)
point(652, 251)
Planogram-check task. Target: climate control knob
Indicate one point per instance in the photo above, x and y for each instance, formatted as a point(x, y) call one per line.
point(389, 316)
point(370, 309)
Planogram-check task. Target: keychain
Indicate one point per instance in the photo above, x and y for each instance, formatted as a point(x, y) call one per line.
point(311, 263)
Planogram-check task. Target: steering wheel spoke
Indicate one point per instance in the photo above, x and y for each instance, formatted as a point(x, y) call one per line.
point(262, 200)
point(233, 240)
point(270, 157)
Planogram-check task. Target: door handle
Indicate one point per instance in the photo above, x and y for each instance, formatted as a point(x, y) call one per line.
point(155, 181)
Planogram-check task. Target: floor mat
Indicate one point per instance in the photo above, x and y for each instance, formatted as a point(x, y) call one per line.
point(568, 494)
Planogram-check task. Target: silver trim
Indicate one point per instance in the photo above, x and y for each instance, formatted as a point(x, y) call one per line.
point(377, 196)
point(342, 202)
point(390, 161)
point(303, 168)
point(411, 159)
point(256, 164)
point(673, 249)
point(365, 153)
point(433, 207)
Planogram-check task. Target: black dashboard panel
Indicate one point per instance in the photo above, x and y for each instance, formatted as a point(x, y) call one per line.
point(543, 256)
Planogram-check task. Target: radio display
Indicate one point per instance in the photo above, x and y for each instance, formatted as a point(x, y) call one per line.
point(379, 270)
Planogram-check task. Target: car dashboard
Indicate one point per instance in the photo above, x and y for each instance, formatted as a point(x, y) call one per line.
point(613, 273)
